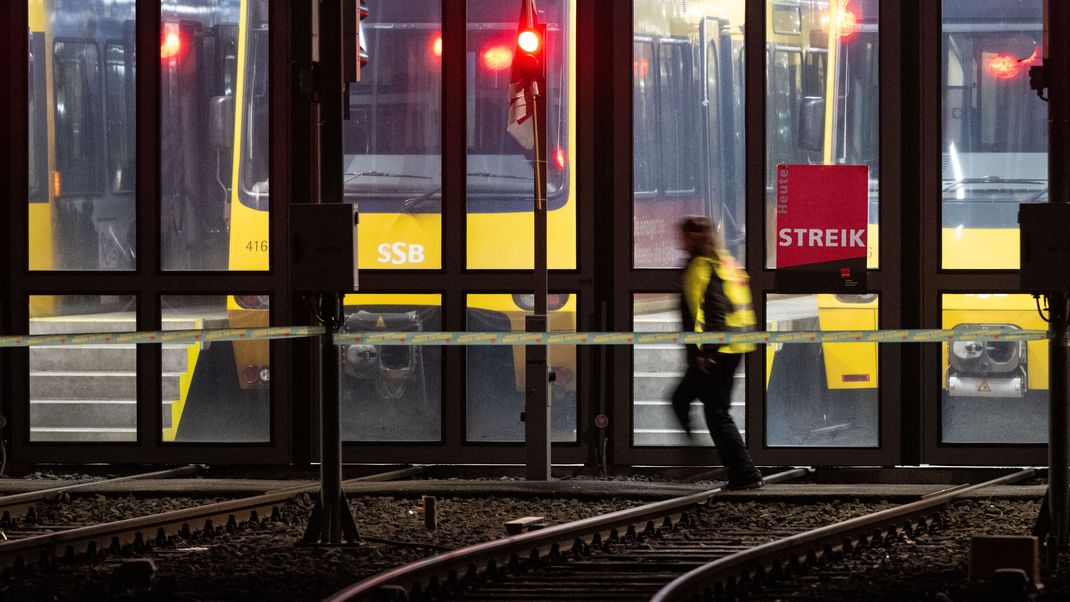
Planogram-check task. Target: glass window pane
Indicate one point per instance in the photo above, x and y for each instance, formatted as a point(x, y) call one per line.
point(688, 115)
point(496, 373)
point(995, 129)
point(218, 392)
point(803, 126)
point(500, 176)
point(83, 393)
point(393, 138)
point(214, 135)
point(657, 370)
point(81, 214)
point(392, 392)
point(821, 394)
point(993, 391)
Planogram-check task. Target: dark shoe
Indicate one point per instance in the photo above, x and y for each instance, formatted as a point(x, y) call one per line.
point(751, 479)
point(753, 484)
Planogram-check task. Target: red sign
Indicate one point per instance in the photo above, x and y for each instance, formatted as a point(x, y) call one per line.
point(821, 227)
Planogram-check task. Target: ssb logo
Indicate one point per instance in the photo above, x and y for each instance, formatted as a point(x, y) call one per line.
point(400, 253)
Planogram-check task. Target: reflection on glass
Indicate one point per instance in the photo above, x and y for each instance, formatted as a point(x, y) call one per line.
point(83, 393)
point(391, 392)
point(496, 373)
point(995, 129)
point(657, 369)
point(821, 394)
point(688, 143)
point(216, 392)
point(214, 135)
point(500, 181)
point(803, 126)
point(393, 138)
point(993, 391)
point(81, 114)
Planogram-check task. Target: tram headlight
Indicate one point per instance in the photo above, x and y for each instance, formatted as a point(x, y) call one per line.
point(986, 357)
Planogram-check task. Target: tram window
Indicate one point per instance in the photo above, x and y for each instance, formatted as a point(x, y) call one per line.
point(823, 99)
point(645, 154)
point(499, 182)
point(994, 154)
point(34, 184)
point(688, 129)
point(677, 126)
point(77, 105)
point(120, 139)
point(255, 170)
point(783, 107)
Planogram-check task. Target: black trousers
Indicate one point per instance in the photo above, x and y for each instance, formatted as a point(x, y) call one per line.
point(714, 389)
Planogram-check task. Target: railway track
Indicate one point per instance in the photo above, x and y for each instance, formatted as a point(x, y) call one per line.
point(92, 540)
point(14, 507)
point(633, 554)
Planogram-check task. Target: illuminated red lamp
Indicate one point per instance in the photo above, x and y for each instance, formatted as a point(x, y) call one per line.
point(436, 46)
point(497, 58)
point(1003, 66)
point(848, 24)
point(528, 41)
point(559, 158)
point(171, 44)
point(640, 68)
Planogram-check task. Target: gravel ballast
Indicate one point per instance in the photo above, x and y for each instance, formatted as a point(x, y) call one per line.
point(263, 562)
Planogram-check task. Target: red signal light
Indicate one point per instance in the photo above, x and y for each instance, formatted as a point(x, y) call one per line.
point(528, 41)
point(497, 58)
point(436, 46)
point(172, 41)
point(559, 158)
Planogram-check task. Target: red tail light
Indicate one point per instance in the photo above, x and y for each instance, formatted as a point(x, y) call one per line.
point(559, 158)
point(848, 24)
point(436, 46)
point(1003, 66)
point(171, 42)
point(497, 58)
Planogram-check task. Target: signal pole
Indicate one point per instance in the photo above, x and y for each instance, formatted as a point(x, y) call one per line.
point(1056, 64)
point(536, 376)
point(331, 518)
point(529, 72)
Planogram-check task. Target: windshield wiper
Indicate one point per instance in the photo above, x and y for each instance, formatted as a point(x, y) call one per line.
point(381, 174)
point(955, 184)
point(483, 174)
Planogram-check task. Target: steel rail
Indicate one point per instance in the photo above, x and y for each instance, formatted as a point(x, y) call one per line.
point(796, 547)
point(541, 540)
point(162, 525)
point(16, 505)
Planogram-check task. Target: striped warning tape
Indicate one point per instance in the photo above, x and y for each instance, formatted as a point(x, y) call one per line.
point(526, 338)
point(682, 338)
point(162, 336)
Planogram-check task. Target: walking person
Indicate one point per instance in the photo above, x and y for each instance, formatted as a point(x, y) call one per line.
point(715, 297)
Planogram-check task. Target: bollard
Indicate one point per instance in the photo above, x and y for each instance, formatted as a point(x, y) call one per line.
point(430, 518)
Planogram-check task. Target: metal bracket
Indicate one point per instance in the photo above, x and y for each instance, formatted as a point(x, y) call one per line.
point(309, 81)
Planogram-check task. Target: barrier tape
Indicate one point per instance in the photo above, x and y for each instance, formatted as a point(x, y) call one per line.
point(162, 336)
point(684, 338)
point(526, 338)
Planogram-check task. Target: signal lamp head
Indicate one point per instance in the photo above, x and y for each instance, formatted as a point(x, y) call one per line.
point(172, 41)
point(528, 41)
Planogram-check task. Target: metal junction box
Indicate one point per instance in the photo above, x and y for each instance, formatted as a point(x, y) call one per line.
point(1045, 244)
point(323, 247)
